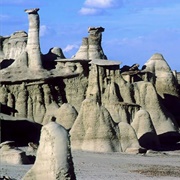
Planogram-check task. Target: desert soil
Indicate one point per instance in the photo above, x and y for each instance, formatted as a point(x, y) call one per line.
point(114, 166)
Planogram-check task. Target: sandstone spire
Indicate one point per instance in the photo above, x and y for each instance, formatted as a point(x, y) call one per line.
point(33, 45)
point(91, 46)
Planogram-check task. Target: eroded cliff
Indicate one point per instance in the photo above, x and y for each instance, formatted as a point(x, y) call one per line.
point(104, 108)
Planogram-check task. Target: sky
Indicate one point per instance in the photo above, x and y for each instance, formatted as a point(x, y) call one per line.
point(134, 29)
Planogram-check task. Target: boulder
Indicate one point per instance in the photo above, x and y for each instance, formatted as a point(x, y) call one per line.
point(145, 130)
point(128, 138)
point(53, 159)
point(11, 155)
point(146, 96)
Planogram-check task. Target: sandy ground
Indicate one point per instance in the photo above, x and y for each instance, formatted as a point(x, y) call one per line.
point(114, 166)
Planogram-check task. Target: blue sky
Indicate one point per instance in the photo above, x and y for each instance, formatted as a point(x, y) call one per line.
point(134, 29)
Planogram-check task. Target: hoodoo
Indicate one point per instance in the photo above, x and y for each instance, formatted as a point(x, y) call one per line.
point(105, 108)
point(33, 45)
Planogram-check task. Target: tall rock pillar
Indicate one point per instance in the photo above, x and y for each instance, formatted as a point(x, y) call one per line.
point(33, 45)
point(91, 46)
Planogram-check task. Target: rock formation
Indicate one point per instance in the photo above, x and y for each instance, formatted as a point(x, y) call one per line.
point(165, 81)
point(33, 45)
point(65, 115)
point(145, 130)
point(53, 159)
point(104, 107)
point(12, 47)
point(91, 46)
point(11, 155)
point(94, 129)
point(128, 138)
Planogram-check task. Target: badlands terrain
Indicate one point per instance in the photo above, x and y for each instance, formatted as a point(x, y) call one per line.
point(86, 117)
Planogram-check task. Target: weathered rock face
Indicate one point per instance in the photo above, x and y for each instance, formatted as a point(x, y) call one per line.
point(65, 115)
point(165, 81)
point(33, 45)
point(91, 46)
point(11, 47)
point(94, 129)
point(88, 93)
point(145, 130)
point(53, 159)
point(48, 60)
point(128, 138)
point(143, 93)
point(31, 100)
point(13, 156)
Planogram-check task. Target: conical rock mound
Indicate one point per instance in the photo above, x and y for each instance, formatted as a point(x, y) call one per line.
point(165, 82)
point(94, 129)
point(53, 160)
point(128, 138)
point(66, 115)
point(145, 131)
point(145, 95)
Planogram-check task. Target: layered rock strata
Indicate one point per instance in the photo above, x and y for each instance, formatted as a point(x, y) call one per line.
point(91, 46)
point(33, 45)
point(88, 94)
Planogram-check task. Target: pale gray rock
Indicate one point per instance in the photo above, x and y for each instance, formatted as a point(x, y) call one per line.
point(53, 159)
point(3, 94)
point(83, 50)
point(51, 111)
point(21, 105)
point(103, 62)
point(7, 145)
point(48, 99)
point(165, 81)
point(57, 51)
point(20, 62)
point(91, 47)
point(75, 90)
point(49, 59)
point(120, 111)
point(11, 155)
point(33, 44)
point(88, 92)
point(66, 115)
point(14, 45)
point(145, 95)
point(145, 130)
point(94, 129)
point(128, 138)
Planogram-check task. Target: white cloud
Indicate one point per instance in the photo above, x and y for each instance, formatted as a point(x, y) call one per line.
point(70, 47)
point(98, 7)
point(43, 30)
point(101, 3)
point(90, 11)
